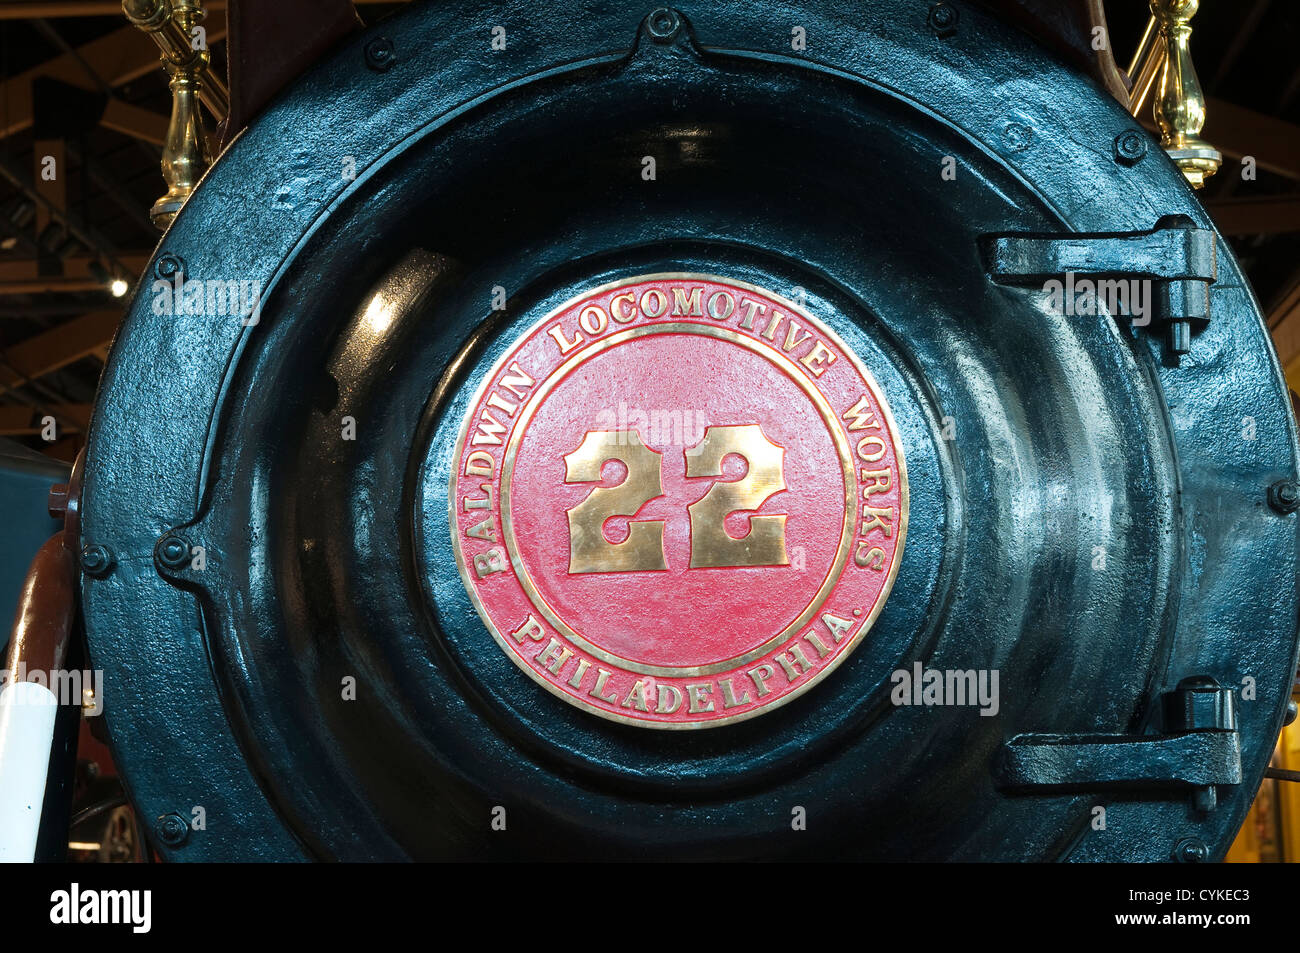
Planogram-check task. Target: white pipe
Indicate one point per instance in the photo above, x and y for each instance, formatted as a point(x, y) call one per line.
point(27, 713)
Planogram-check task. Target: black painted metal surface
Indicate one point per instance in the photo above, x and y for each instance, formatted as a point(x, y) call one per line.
point(1032, 439)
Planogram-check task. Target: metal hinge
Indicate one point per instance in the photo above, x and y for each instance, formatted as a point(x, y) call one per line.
point(1201, 748)
point(1177, 260)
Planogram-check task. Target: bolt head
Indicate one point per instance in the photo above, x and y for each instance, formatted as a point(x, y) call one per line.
point(1130, 147)
point(96, 560)
point(172, 829)
point(381, 54)
point(663, 24)
point(1191, 850)
point(168, 266)
point(1284, 496)
point(943, 19)
point(173, 551)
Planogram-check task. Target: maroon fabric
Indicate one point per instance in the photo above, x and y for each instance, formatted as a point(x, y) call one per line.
point(270, 42)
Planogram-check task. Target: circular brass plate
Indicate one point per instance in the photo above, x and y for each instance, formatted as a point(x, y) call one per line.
point(678, 501)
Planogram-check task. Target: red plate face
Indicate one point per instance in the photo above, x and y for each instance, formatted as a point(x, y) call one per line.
point(678, 501)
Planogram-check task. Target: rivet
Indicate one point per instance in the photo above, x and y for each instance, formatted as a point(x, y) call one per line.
point(1284, 496)
point(663, 24)
point(943, 19)
point(1130, 147)
point(173, 551)
point(1017, 136)
point(381, 54)
point(1191, 850)
point(168, 266)
point(172, 829)
point(96, 560)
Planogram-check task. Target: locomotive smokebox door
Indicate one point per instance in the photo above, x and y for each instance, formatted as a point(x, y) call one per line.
point(657, 436)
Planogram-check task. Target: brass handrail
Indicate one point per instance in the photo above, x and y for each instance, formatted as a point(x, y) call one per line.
point(170, 23)
point(1163, 61)
point(186, 151)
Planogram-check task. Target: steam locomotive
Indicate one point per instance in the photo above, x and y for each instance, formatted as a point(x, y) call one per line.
point(660, 434)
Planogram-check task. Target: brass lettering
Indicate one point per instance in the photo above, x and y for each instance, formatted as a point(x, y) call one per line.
point(489, 430)
point(868, 456)
point(880, 520)
point(576, 680)
point(531, 629)
point(792, 339)
point(593, 325)
point(553, 657)
point(759, 677)
point(636, 697)
point(873, 559)
point(566, 346)
point(516, 378)
point(598, 690)
point(818, 359)
point(796, 666)
point(589, 550)
point(864, 418)
point(751, 308)
point(494, 560)
point(616, 305)
point(680, 302)
point(816, 642)
point(480, 463)
point(485, 503)
point(698, 696)
point(837, 626)
point(881, 481)
point(670, 699)
point(711, 545)
point(727, 299)
point(500, 403)
point(661, 300)
point(769, 332)
point(729, 699)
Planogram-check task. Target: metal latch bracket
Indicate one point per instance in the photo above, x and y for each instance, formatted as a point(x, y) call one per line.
point(1177, 257)
point(1200, 749)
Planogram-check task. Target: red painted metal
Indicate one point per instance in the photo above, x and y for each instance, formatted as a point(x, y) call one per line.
point(47, 606)
point(669, 363)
